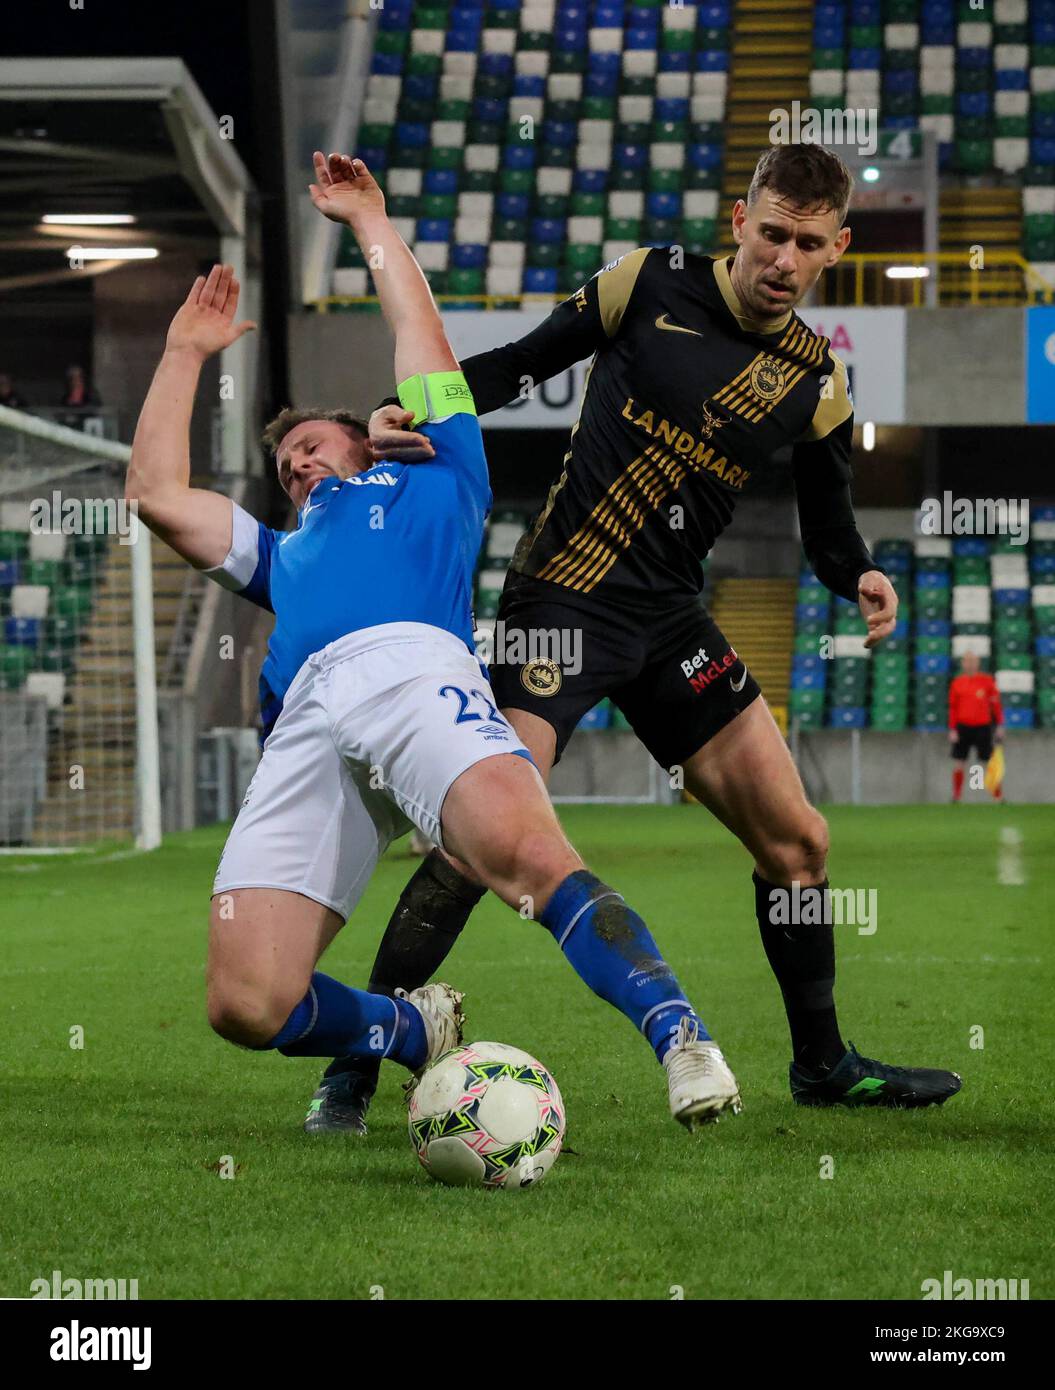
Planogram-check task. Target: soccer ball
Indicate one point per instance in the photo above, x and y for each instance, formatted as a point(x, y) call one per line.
point(486, 1115)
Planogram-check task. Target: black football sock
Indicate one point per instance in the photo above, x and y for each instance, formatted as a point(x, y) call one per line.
point(802, 957)
point(432, 909)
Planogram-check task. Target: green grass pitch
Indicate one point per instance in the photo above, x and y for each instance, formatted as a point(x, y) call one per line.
point(110, 1153)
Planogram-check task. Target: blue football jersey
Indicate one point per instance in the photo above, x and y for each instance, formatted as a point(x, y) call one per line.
point(395, 544)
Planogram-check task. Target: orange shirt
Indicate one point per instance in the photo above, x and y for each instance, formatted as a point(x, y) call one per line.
point(974, 700)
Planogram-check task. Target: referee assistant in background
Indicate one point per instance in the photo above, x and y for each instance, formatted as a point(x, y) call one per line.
point(976, 720)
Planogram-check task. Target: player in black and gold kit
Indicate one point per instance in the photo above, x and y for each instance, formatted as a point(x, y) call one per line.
point(701, 371)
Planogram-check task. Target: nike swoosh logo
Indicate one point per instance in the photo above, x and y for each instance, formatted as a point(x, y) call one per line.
point(664, 322)
point(743, 679)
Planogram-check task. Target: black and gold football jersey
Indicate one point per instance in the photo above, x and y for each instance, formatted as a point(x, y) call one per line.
point(686, 402)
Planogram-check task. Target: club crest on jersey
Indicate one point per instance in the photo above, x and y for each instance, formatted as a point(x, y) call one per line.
point(542, 677)
point(767, 379)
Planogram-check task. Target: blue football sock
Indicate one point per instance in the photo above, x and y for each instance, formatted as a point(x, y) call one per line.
point(334, 1020)
point(610, 948)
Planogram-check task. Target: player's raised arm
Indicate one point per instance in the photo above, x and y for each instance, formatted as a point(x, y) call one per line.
point(576, 329)
point(346, 192)
point(197, 524)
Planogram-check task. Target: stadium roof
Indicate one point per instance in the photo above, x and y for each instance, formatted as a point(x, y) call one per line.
point(109, 135)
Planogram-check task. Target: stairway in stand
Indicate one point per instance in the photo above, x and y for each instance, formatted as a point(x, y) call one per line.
point(96, 728)
point(772, 47)
point(758, 618)
point(990, 218)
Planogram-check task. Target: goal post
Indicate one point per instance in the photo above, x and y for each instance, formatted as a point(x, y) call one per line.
point(79, 756)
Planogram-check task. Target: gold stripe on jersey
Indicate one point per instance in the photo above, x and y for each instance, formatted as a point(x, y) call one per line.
point(740, 395)
point(615, 286)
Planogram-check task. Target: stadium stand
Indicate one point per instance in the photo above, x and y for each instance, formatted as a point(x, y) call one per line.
point(522, 146)
point(969, 593)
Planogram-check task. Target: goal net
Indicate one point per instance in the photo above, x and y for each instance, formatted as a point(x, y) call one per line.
point(78, 712)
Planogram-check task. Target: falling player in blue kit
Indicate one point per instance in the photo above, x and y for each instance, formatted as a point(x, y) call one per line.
point(378, 715)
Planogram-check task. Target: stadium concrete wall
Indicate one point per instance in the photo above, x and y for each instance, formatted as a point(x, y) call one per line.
point(895, 769)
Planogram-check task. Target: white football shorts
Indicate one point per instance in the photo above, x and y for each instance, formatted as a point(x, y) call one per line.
point(373, 731)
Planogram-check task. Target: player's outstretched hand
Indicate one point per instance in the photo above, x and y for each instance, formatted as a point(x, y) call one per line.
point(878, 603)
point(390, 440)
point(344, 189)
point(204, 323)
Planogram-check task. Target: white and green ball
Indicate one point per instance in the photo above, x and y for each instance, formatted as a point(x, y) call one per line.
point(487, 1115)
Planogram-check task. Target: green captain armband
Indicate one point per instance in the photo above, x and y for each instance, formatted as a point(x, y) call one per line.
point(435, 395)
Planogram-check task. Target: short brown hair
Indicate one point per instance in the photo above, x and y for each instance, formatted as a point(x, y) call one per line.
point(809, 175)
point(287, 418)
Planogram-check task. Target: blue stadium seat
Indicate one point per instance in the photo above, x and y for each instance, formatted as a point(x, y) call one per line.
point(22, 632)
point(639, 40)
point(931, 581)
point(864, 12)
point(810, 612)
point(671, 109)
point(973, 58)
point(849, 717)
point(561, 133)
point(932, 665)
point(1011, 80)
point(938, 35)
point(1045, 646)
point(538, 281)
point(830, 36)
point(520, 156)
point(608, 16)
point(715, 15)
point(549, 231)
point(495, 64)
point(590, 180)
point(707, 60)
point(9, 572)
point(808, 680)
point(663, 205)
point(525, 86)
point(606, 64)
point(705, 156)
point(1002, 596)
point(974, 104)
point(568, 40)
point(1042, 151)
point(434, 229)
point(468, 255)
point(865, 58)
point(1019, 718)
point(491, 108)
point(513, 204)
point(933, 627)
point(412, 135)
point(630, 156)
point(808, 661)
point(1043, 124)
point(387, 64)
point(970, 547)
point(396, 14)
point(601, 84)
point(441, 181)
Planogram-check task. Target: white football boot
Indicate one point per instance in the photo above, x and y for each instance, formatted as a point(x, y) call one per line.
point(701, 1085)
point(440, 1008)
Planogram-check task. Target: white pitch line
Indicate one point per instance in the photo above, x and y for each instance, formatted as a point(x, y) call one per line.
point(1010, 871)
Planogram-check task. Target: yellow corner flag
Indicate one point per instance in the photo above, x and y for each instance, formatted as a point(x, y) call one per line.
point(994, 771)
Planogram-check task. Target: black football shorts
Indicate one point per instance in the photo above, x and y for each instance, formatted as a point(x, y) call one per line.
point(977, 736)
point(673, 675)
